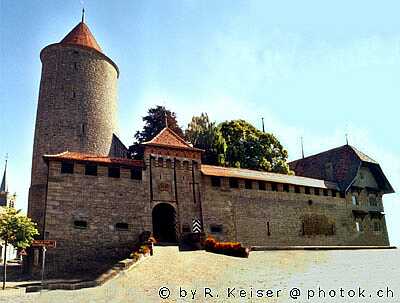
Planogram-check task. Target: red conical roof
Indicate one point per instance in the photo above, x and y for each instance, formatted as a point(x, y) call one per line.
point(81, 35)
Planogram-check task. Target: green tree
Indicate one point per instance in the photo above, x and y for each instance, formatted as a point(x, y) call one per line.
point(16, 230)
point(248, 147)
point(154, 123)
point(205, 135)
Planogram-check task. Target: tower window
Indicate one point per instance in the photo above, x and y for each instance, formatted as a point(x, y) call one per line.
point(114, 172)
point(297, 189)
point(168, 163)
point(136, 173)
point(67, 167)
point(333, 193)
point(215, 181)
point(261, 185)
point(75, 66)
point(160, 162)
point(185, 165)
point(274, 186)
point(80, 224)
point(325, 192)
point(233, 183)
point(268, 229)
point(177, 164)
point(316, 191)
point(248, 184)
point(91, 169)
point(122, 226)
point(307, 190)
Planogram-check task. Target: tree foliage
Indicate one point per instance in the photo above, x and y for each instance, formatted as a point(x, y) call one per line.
point(16, 229)
point(154, 122)
point(205, 135)
point(248, 147)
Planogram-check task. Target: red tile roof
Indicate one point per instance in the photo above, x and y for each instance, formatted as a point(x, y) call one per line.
point(168, 138)
point(219, 171)
point(81, 35)
point(81, 157)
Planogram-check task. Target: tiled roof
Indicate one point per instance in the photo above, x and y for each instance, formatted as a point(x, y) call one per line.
point(345, 160)
point(168, 138)
point(81, 157)
point(81, 35)
point(219, 171)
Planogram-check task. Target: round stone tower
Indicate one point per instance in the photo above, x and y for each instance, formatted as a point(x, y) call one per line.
point(76, 108)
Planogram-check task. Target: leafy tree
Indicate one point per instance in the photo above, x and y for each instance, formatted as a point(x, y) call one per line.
point(154, 123)
point(248, 147)
point(205, 135)
point(15, 229)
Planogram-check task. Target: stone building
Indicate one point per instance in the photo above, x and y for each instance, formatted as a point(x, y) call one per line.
point(94, 201)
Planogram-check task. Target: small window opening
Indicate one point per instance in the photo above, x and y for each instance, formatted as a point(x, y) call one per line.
point(334, 193)
point(185, 164)
point(67, 167)
point(215, 181)
point(316, 191)
point(325, 192)
point(354, 200)
point(136, 173)
point(177, 164)
point(160, 162)
point(233, 183)
point(248, 184)
point(268, 229)
point(342, 195)
point(297, 189)
point(310, 202)
point(121, 226)
point(168, 163)
point(307, 190)
point(274, 187)
point(114, 172)
point(80, 224)
point(216, 228)
point(91, 169)
point(261, 185)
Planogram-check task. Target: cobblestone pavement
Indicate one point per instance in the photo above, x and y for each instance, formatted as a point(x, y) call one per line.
point(222, 276)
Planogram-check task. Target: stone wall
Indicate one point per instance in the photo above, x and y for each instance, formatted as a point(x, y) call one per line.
point(246, 215)
point(101, 202)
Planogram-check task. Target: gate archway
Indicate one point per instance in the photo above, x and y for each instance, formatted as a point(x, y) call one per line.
point(164, 223)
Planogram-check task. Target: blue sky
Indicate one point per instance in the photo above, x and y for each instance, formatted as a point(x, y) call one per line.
point(310, 68)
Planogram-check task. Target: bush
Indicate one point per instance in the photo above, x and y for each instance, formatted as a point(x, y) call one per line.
point(234, 249)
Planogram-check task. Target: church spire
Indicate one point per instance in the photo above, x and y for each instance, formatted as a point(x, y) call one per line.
point(3, 186)
point(83, 15)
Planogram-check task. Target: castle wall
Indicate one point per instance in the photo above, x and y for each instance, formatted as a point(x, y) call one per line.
point(245, 214)
point(76, 111)
point(102, 202)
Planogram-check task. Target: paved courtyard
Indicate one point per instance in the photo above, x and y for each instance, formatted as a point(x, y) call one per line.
point(269, 276)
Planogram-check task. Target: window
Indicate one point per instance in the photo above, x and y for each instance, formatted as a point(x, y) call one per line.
point(307, 190)
point(75, 65)
point(216, 228)
point(377, 226)
point(91, 169)
point(342, 195)
point(310, 202)
point(233, 183)
point(160, 162)
point(121, 226)
point(185, 164)
point(80, 224)
point(297, 189)
point(215, 181)
point(195, 166)
point(268, 229)
point(168, 163)
point(372, 200)
point(274, 187)
point(358, 227)
point(333, 192)
point(286, 187)
point(177, 164)
point(325, 192)
point(113, 172)
point(316, 191)
point(354, 200)
point(261, 185)
point(248, 184)
point(136, 173)
point(67, 168)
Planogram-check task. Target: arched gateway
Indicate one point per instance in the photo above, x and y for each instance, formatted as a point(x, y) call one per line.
point(164, 222)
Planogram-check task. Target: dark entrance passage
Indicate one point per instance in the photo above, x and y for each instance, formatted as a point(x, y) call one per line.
point(164, 221)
